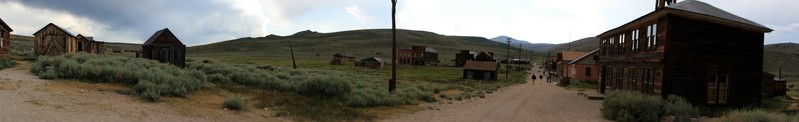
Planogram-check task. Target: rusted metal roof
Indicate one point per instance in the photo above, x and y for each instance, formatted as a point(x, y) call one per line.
point(700, 7)
point(153, 39)
point(480, 65)
point(430, 50)
point(3, 23)
point(589, 54)
point(570, 56)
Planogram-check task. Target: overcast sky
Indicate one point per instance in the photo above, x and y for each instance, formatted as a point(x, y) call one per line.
point(198, 22)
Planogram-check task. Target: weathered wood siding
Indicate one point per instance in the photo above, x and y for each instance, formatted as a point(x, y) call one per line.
point(5, 48)
point(52, 41)
point(697, 48)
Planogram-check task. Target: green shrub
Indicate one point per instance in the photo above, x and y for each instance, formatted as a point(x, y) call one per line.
point(150, 79)
point(325, 87)
point(582, 84)
point(6, 63)
point(680, 108)
point(234, 103)
point(219, 78)
point(628, 106)
point(755, 116)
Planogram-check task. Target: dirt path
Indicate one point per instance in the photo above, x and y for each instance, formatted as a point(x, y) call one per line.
point(26, 98)
point(534, 101)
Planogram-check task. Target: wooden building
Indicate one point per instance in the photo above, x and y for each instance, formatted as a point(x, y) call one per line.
point(563, 59)
point(584, 68)
point(404, 56)
point(5, 39)
point(463, 56)
point(89, 45)
point(342, 58)
point(480, 70)
point(371, 62)
point(423, 55)
point(773, 85)
point(165, 47)
point(690, 49)
point(485, 56)
point(53, 40)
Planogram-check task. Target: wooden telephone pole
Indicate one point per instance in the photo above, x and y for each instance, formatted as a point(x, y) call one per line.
point(293, 62)
point(507, 61)
point(392, 84)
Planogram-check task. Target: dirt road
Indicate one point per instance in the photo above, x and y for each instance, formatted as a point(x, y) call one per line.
point(534, 101)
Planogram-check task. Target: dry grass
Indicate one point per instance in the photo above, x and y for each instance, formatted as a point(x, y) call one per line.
point(8, 85)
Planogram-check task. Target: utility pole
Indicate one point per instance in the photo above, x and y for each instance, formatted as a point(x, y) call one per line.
point(520, 54)
point(293, 62)
point(392, 84)
point(507, 60)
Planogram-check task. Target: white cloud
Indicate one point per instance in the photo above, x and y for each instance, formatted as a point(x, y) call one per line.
point(358, 14)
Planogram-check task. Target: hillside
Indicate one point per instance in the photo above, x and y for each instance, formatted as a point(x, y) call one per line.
point(363, 43)
point(783, 55)
point(585, 44)
point(537, 47)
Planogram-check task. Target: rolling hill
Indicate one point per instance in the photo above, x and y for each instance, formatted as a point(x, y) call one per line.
point(537, 47)
point(586, 44)
point(784, 56)
point(362, 43)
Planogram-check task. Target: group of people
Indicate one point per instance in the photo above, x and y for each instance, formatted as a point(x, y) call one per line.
point(541, 76)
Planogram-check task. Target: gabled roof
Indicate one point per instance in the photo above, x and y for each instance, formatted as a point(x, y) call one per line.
point(163, 32)
point(700, 7)
point(56, 26)
point(480, 65)
point(374, 59)
point(584, 56)
point(345, 54)
point(3, 23)
point(430, 50)
point(570, 56)
point(701, 10)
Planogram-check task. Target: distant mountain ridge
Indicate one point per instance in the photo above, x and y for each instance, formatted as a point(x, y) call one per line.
point(538, 47)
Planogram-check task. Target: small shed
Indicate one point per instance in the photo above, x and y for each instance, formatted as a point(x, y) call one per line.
point(773, 85)
point(53, 40)
point(371, 62)
point(5, 39)
point(165, 47)
point(480, 70)
point(342, 58)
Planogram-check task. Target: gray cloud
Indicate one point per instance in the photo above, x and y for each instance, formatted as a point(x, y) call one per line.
point(194, 21)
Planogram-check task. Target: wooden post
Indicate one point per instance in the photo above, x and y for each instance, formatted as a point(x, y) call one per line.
point(507, 61)
point(293, 62)
point(392, 84)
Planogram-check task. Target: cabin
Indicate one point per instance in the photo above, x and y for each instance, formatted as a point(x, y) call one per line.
point(773, 85)
point(483, 67)
point(165, 47)
point(690, 49)
point(423, 55)
point(584, 68)
point(5, 39)
point(342, 58)
point(480, 70)
point(563, 59)
point(371, 62)
point(89, 45)
point(463, 56)
point(404, 56)
point(52, 40)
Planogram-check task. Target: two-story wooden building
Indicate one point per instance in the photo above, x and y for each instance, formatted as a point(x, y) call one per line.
point(423, 55)
point(690, 49)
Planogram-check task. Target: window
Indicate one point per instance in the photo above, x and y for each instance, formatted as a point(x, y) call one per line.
point(604, 47)
point(612, 46)
point(631, 79)
point(621, 42)
point(648, 83)
point(2, 40)
point(651, 36)
point(717, 85)
point(588, 71)
point(634, 40)
point(619, 78)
